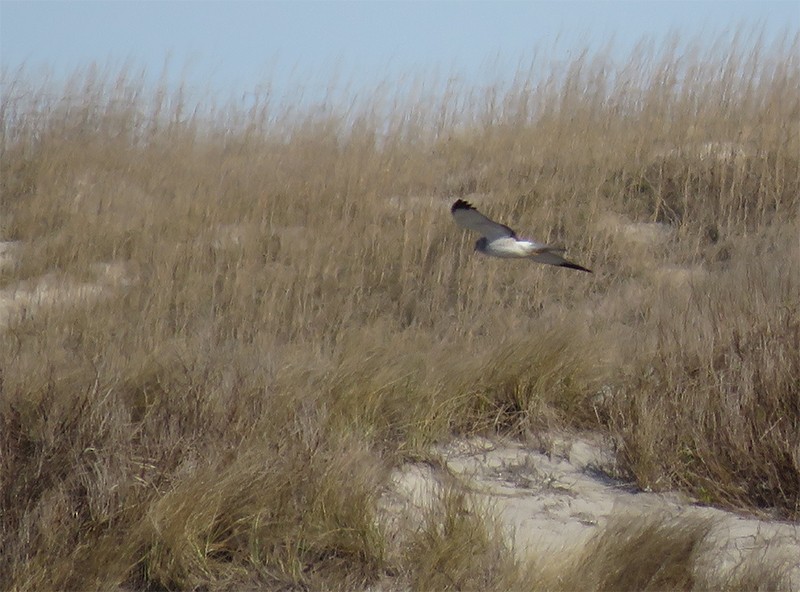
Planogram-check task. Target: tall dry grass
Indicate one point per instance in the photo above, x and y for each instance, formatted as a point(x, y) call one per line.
point(292, 311)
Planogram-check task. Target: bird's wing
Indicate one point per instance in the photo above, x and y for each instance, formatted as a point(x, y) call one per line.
point(467, 216)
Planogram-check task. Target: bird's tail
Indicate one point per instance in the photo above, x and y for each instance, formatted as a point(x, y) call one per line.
point(552, 256)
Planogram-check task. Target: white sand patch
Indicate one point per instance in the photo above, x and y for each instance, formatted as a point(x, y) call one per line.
point(629, 234)
point(28, 297)
point(8, 254)
point(233, 236)
point(553, 503)
point(677, 276)
point(735, 541)
point(114, 273)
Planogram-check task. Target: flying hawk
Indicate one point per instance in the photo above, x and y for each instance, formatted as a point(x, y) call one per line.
point(498, 240)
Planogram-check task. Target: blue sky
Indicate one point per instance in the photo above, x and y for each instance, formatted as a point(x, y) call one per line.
point(230, 48)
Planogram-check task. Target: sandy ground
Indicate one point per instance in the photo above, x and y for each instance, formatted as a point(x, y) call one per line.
point(24, 298)
point(554, 503)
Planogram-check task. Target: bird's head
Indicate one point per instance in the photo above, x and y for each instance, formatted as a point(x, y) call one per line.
point(480, 244)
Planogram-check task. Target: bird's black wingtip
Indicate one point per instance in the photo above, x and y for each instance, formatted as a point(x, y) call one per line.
point(575, 266)
point(460, 204)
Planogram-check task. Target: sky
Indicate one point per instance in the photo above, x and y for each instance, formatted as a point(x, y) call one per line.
point(231, 48)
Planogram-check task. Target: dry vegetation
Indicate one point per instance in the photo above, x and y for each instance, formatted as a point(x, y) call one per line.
point(292, 313)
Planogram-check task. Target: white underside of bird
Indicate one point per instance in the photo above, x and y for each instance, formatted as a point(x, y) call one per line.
point(499, 240)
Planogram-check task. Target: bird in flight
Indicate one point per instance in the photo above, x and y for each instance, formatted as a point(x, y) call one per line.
point(498, 240)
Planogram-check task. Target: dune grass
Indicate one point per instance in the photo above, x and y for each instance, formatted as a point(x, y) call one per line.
point(632, 552)
point(292, 313)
